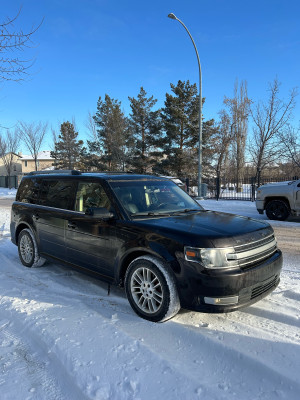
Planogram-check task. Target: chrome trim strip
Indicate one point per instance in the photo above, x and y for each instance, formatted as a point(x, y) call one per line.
point(265, 239)
point(253, 252)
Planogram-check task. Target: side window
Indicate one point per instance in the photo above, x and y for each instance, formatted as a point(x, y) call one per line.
point(57, 193)
point(29, 190)
point(91, 194)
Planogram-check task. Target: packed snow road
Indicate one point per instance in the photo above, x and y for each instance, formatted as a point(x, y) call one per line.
point(63, 337)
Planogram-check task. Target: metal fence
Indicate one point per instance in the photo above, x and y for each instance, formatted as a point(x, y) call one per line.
point(7, 182)
point(226, 189)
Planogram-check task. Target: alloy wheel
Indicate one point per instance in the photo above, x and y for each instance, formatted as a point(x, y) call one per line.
point(146, 290)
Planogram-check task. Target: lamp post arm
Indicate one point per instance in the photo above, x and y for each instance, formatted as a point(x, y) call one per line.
point(200, 112)
point(198, 59)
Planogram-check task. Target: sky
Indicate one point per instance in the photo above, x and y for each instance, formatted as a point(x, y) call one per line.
point(85, 49)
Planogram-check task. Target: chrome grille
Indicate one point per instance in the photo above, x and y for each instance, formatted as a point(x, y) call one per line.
point(254, 244)
point(251, 253)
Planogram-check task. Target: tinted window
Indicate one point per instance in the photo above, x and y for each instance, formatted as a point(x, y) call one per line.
point(29, 190)
point(57, 193)
point(91, 194)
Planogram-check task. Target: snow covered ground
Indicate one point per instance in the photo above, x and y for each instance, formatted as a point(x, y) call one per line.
point(7, 193)
point(62, 337)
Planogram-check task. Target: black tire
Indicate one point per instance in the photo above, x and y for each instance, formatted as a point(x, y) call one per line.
point(28, 250)
point(151, 289)
point(277, 210)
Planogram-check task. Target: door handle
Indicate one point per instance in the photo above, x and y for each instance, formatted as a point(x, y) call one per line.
point(71, 225)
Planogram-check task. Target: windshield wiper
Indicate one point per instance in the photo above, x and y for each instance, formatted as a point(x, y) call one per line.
point(150, 214)
point(186, 210)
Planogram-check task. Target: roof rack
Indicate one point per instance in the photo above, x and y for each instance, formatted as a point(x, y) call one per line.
point(56, 171)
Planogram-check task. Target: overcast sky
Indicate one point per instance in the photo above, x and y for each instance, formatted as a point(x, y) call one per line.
point(87, 48)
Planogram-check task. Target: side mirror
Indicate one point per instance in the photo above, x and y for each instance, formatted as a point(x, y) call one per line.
point(99, 212)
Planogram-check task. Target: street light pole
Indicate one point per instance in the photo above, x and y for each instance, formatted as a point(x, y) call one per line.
point(172, 16)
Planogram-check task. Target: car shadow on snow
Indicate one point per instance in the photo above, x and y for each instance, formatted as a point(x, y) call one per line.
point(271, 315)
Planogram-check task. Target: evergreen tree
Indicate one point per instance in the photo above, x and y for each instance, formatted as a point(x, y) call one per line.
point(180, 121)
point(180, 118)
point(110, 144)
point(145, 126)
point(210, 151)
point(68, 152)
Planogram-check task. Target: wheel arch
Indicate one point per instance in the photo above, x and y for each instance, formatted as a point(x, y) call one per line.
point(166, 258)
point(20, 227)
point(128, 258)
point(282, 198)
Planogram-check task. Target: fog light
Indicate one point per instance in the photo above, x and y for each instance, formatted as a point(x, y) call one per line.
point(221, 301)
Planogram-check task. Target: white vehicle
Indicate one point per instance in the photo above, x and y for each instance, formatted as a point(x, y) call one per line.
point(279, 200)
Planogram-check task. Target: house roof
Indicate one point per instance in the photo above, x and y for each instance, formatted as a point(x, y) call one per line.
point(42, 155)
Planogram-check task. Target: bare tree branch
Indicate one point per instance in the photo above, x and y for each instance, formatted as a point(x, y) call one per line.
point(290, 137)
point(91, 128)
point(32, 135)
point(12, 40)
point(239, 109)
point(270, 118)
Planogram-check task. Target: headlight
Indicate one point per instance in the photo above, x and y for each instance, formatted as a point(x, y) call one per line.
point(212, 258)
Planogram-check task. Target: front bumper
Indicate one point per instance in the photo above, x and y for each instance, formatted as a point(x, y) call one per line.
point(260, 206)
point(223, 291)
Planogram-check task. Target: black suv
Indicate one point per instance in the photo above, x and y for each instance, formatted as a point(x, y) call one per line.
point(145, 233)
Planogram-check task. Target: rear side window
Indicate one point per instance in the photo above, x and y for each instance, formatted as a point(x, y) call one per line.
point(58, 193)
point(29, 190)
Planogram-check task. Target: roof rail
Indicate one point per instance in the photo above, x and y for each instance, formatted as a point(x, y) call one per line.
point(56, 171)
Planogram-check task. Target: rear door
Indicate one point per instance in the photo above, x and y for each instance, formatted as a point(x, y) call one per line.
point(89, 239)
point(297, 197)
point(55, 202)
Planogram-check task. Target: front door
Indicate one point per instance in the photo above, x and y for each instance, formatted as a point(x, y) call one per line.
point(88, 238)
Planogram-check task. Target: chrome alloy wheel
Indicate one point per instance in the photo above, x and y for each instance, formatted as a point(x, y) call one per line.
point(146, 290)
point(26, 248)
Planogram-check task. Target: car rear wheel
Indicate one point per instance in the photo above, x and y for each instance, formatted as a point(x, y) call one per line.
point(28, 250)
point(278, 210)
point(151, 289)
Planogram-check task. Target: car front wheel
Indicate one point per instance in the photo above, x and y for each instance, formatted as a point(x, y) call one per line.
point(151, 289)
point(28, 250)
point(278, 210)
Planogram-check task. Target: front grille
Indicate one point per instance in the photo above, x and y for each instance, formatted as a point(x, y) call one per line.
point(252, 253)
point(254, 244)
point(259, 290)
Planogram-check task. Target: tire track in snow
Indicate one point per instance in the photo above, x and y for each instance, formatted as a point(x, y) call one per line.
point(38, 374)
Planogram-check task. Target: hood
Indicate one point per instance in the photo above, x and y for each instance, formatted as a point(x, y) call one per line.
point(209, 228)
point(275, 184)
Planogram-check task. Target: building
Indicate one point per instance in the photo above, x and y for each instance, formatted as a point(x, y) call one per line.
point(44, 161)
point(16, 165)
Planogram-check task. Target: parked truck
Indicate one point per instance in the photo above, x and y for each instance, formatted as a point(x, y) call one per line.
point(279, 200)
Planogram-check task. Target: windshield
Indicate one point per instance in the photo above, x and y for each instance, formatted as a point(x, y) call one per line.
point(152, 198)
